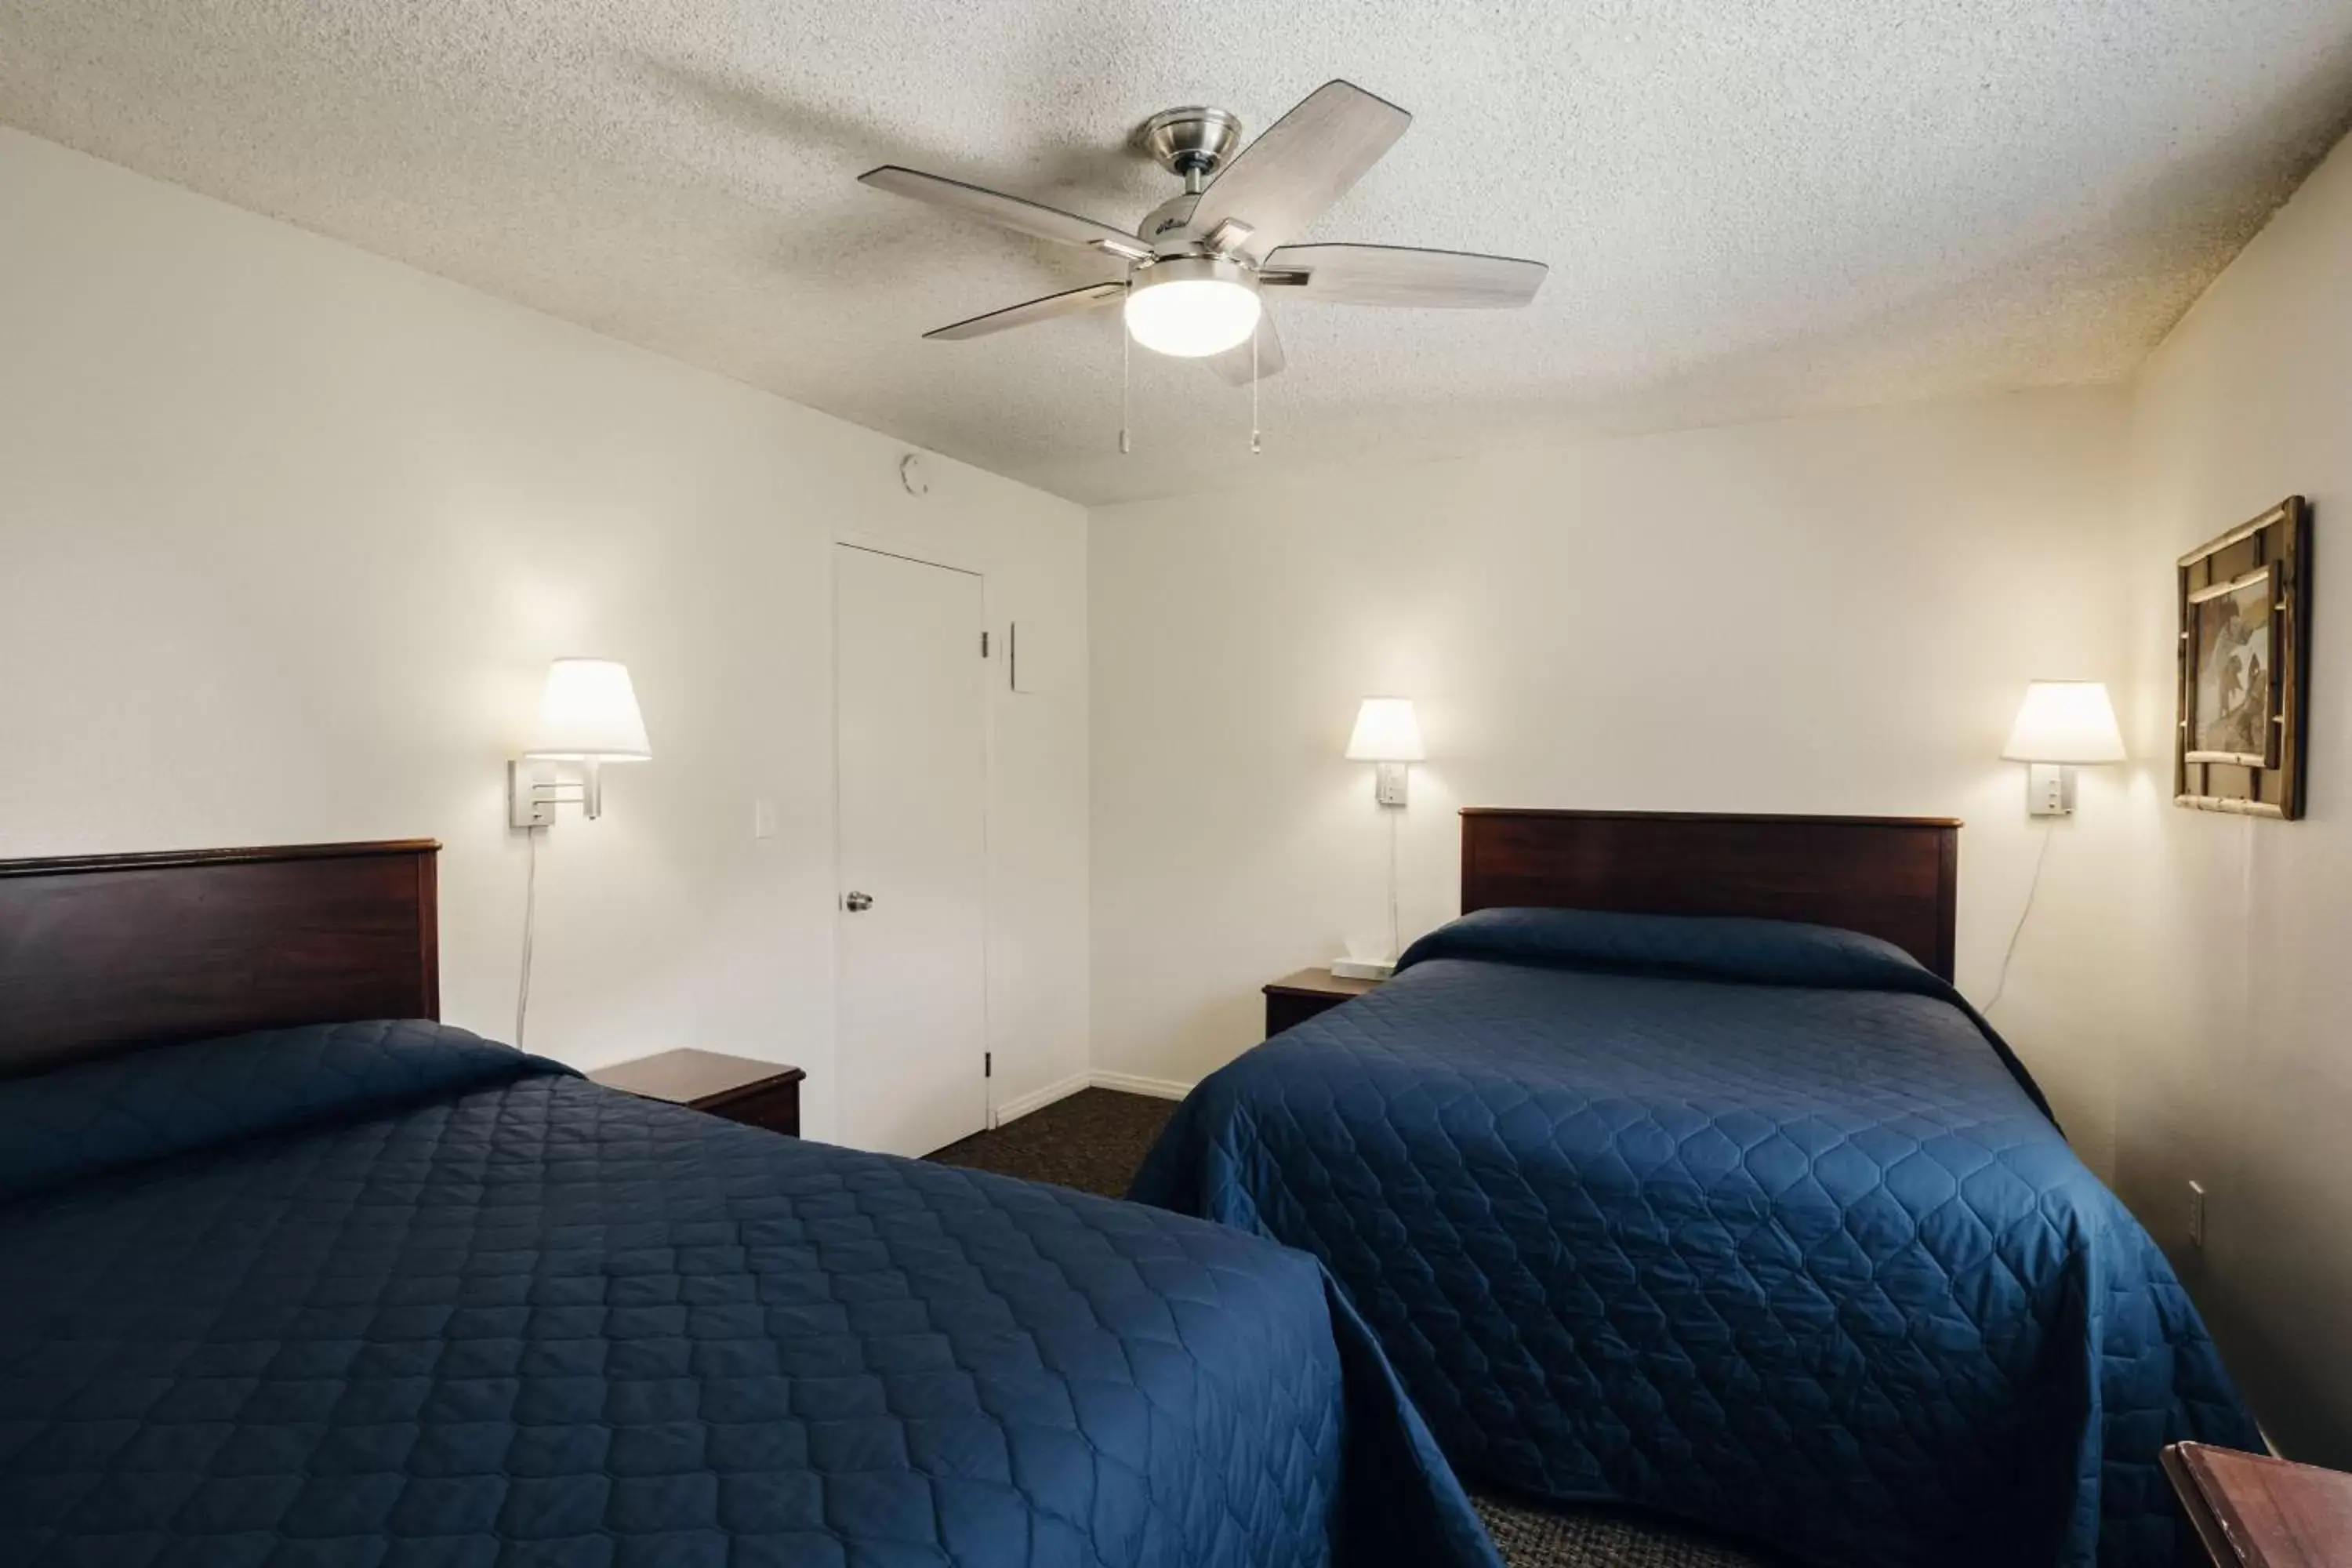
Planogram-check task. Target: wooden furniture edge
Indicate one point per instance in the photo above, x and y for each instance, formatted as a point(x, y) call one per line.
point(2196, 1506)
point(1326, 985)
point(166, 860)
point(1787, 817)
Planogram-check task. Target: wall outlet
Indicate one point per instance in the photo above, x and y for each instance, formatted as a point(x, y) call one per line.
point(2197, 1214)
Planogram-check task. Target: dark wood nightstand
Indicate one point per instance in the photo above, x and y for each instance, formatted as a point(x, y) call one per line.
point(2250, 1510)
point(758, 1094)
point(1295, 998)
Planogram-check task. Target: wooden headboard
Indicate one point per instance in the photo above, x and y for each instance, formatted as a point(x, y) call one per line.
point(1891, 876)
point(104, 952)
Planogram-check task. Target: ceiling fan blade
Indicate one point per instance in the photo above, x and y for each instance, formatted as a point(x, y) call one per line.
point(1234, 365)
point(1008, 212)
point(1400, 275)
point(1072, 302)
point(1287, 178)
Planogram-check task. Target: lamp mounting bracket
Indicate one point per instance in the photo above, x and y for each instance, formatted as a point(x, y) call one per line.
point(2048, 789)
point(537, 785)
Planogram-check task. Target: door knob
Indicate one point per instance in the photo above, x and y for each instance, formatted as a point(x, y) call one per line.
point(857, 904)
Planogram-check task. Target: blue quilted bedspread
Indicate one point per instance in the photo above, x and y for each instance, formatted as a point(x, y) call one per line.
point(1748, 1222)
point(386, 1295)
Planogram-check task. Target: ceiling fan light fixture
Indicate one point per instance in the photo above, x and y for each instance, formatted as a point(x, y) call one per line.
point(1196, 261)
point(1192, 307)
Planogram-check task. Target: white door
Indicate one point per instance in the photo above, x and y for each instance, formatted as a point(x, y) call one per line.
point(911, 694)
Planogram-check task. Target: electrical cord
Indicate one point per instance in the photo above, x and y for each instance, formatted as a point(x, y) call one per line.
point(2031, 887)
point(530, 922)
point(1393, 813)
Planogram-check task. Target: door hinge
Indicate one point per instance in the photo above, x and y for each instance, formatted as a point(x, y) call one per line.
point(983, 645)
point(987, 1064)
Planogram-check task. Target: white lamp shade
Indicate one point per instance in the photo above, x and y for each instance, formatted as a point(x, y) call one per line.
point(589, 711)
point(2069, 722)
point(1386, 731)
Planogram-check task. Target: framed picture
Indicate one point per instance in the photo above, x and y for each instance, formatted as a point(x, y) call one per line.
point(2233, 707)
point(2244, 647)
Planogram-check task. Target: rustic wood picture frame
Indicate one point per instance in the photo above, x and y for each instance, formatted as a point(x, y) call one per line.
point(2273, 551)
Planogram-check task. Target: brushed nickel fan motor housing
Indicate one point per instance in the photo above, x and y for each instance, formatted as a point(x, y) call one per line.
point(1191, 269)
point(1191, 142)
point(1163, 227)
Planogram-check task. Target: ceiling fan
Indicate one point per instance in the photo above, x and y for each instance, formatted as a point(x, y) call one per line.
point(1197, 263)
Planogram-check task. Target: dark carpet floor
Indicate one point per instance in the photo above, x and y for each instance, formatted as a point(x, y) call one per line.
point(1096, 1139)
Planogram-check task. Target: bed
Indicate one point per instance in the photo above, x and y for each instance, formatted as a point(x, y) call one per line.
point(1675, 1175)
point(298, 1275)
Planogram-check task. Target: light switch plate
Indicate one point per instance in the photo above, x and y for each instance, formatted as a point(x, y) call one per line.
point(763, 818)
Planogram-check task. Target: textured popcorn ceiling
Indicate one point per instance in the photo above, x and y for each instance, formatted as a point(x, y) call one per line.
point(1749, 206)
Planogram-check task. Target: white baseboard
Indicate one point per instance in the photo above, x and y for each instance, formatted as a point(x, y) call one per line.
point(1128, 1083)
point(1020, 1105)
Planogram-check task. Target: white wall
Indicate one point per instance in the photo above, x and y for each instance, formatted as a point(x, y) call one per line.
point(1827, 614)
point(288, 533)
point(2240, 1070)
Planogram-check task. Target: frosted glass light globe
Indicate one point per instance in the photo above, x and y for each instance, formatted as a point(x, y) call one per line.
point(1202, 310)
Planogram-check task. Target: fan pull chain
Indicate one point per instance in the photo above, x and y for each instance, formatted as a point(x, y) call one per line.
point(1255, 448)
point(1125, 354)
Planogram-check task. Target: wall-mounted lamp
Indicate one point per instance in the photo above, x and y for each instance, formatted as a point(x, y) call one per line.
point(2061, 726)
point(587, 715)
point(1387, 734)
